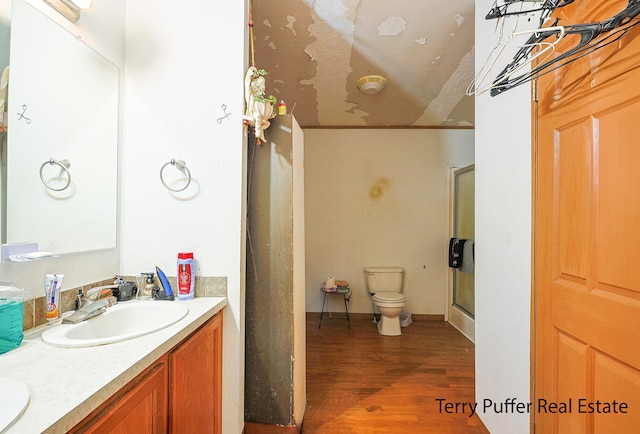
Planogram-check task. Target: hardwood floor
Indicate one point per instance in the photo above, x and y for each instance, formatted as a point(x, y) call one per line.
point(359, 381)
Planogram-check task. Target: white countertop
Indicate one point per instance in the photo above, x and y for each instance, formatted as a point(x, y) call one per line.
point(66, 384)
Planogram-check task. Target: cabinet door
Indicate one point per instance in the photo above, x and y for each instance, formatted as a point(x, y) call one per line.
point(195, 389)
point(140, 407)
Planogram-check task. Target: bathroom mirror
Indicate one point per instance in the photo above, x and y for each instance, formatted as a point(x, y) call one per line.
point(5, 32)
point(62, 135)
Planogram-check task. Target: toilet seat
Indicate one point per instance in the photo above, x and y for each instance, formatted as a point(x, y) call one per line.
point(389, 298)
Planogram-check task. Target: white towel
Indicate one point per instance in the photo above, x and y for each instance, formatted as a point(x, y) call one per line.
point(467, 257)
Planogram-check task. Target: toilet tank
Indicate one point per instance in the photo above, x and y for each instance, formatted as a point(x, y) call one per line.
point(384, 279)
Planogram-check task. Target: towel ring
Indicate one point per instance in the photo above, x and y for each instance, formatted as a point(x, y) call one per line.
point(64, 165)
point(181, 167)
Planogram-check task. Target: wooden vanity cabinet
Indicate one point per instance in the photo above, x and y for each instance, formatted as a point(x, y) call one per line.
point(180, 393)
point(139, 407)
point(195, 382)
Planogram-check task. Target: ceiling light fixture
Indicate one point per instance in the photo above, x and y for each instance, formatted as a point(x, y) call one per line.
point(82, 4)
point(70, 9)
point(371, 84)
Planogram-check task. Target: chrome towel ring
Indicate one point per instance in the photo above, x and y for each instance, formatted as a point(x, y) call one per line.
point(182, 167)
point(64, 165)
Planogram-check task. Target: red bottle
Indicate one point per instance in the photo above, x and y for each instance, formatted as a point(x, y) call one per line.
point(186, 276)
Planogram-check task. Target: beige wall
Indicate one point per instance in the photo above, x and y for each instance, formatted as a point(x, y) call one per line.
point(380, 197)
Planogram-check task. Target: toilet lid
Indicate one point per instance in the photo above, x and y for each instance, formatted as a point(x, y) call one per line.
point(389, 296)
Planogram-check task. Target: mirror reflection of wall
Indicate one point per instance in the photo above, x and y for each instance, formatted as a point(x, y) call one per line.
point(63, 105)
point(5, 33)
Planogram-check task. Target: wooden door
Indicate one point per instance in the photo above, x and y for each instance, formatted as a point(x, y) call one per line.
point(587, 238)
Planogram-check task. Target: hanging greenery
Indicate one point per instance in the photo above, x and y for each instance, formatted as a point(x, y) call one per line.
point(259, 107)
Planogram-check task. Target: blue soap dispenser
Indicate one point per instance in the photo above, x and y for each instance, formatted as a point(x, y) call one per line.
point(167, 292)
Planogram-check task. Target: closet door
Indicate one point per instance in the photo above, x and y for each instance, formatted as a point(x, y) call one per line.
point(587, 279)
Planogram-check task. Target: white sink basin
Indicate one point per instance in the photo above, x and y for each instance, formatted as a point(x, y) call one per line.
point(125, 320)
point(14, 399)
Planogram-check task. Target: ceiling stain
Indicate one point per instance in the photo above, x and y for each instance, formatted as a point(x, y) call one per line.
point(291, 21)
point(443, 104)
point(393, 26)
point(316, 50)
point(331, 52)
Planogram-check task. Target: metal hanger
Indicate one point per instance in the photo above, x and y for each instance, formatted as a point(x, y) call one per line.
point(593, 36)
point(547, 7)
point(543, 50)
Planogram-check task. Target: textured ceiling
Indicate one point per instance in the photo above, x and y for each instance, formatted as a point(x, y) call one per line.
point(314, 52)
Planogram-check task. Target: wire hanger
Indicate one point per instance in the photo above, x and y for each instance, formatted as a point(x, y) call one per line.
point(547, 7)
point(538, 42)
point(543, 50)
point(593, 36)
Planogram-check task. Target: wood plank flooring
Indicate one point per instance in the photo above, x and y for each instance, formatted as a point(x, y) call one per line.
point(359, 381)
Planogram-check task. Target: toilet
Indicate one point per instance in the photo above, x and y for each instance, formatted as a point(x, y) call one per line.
point(385, 286)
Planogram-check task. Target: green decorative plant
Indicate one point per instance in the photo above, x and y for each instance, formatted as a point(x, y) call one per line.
point(261, 96)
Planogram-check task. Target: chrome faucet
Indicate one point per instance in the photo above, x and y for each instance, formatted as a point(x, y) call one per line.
point(99, 292)
point(97, 300)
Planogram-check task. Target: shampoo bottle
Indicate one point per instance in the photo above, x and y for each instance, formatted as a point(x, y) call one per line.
point(186, 276)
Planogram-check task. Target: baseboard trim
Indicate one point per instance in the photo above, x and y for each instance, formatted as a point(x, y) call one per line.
point(355, 315)
point(263, 428)
point(427, 317)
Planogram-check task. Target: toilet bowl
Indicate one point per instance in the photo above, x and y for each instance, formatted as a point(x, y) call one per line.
point(390, 305)
point(385, 286)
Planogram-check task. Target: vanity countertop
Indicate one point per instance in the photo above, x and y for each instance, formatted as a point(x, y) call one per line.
point(66, 384)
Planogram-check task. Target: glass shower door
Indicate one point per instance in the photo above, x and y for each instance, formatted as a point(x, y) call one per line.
point(462, 291)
